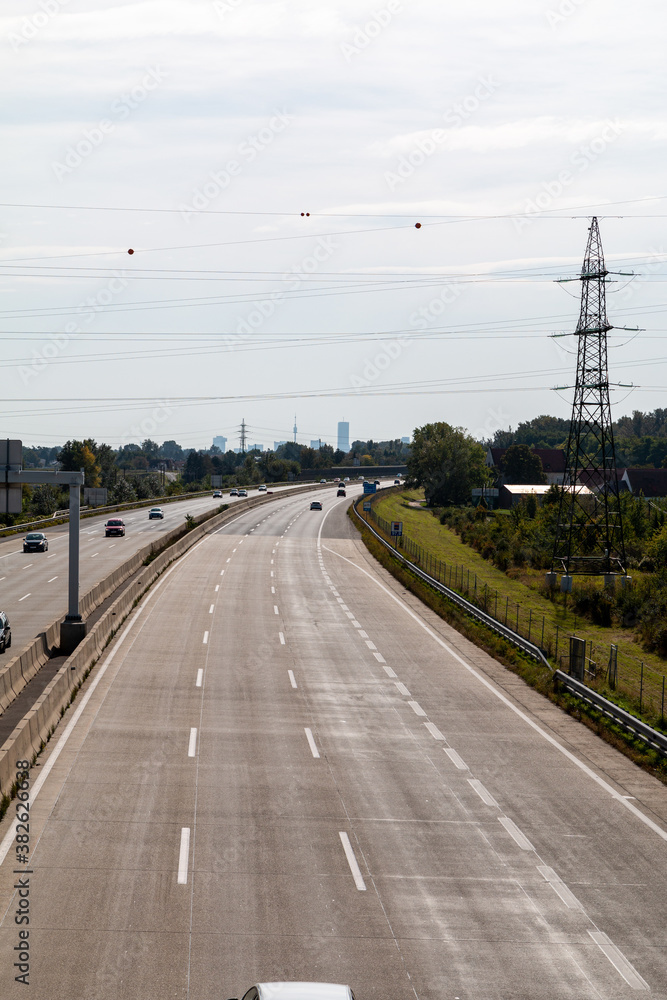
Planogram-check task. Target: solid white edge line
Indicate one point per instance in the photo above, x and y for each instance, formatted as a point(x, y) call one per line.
point(514, 708)
point(184, 856)
point(192, 745)
point(46, 768)
point(311, 743)
point(515, 833)
point(352, 862)
point(200, 677)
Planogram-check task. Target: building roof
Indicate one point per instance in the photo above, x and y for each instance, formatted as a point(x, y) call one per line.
point(650, 482)
point(539, 489)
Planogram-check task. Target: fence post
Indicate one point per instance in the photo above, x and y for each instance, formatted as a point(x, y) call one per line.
point(495, 614)
point(507, 602)
point(556, 653)
point(542, 643)
point(641, 686)
point(530, 619)
point(517, 616)
point(662, 709)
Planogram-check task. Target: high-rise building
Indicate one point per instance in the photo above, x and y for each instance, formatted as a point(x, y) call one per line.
point(405, 440)
point(343, 435)
point(220, 442)
point(277, 444)
point(317, 444)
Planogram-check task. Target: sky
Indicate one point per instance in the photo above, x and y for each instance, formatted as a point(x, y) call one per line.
point(349, 211)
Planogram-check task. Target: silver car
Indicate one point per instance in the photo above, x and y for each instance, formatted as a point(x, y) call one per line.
point(299, 991)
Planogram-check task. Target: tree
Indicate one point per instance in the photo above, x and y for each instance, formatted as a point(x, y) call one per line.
point(76, 455)
point(447, 463)
point(522, 465)
point(172, 450)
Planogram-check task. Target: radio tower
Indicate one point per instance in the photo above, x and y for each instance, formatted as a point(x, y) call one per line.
point(589, 535)
point(295, 428)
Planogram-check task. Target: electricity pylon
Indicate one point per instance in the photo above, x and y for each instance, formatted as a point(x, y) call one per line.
point(589, 535)
point(243, 436)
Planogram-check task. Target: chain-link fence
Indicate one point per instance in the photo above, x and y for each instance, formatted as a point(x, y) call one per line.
point(601, 665)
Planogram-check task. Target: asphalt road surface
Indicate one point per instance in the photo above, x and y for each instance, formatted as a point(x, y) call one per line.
point(33, 585)
point(286, 768)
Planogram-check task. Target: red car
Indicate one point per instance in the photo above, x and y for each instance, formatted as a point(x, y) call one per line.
point(114, 526)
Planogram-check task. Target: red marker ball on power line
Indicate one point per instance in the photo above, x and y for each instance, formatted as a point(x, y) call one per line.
point(130, 251)
point(418, 225)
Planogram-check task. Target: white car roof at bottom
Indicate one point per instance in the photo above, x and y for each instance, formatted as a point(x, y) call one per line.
point(303, 991)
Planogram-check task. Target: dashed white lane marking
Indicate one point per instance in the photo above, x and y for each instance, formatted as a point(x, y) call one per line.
point(371, 645)
point(23, 598)
point(416, 708)
point(205, 639)
point(200, 677)
point(282, 638)
point(192, 745)
point(275, 609)
point(402, 688)
point(27, 566)
point(233, 550)
point(222, 572)
point(364, 635)
point(344, 607)
point(484, 795)
point(108, 546)
point(271, 572)
point(433, 730)
point(619, 961)
point(94, 554)
point(311, 743)
point(4, 578)
point(48, 581)
point(559, 887)
point(229, 560)
point(184, 856)
point(217, 587)
point(290, 674)
point(355, 623)
point(611, 791)
point(516, 834)
point(349, 614)
point(379, 657)
point(53, 555)
point(456, 759)
point(272, 562)
point(210, 610)
point(241, 541)
point(389, 672)
point(352, 862)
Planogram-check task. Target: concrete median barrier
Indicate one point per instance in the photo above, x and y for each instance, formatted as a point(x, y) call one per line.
point(34, 728)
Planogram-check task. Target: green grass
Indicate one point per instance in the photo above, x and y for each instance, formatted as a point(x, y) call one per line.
point(522, 589)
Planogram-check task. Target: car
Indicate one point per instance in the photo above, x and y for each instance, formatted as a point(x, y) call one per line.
point(35, 541)
point(322, 480)
point(262, 489)
point(341, 492)
point(299, 991)
point(155, 512)
point(243, 493)
point(233, 493)
point(360, 477)
point(5, 632)
point(347, 479)
point(217, 494)
point(114, 526)
point(316, 505)
point(377, 482)
point(397, 482)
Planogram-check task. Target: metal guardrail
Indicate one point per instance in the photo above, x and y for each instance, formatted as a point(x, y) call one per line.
point(471, 609)
point(638, 728)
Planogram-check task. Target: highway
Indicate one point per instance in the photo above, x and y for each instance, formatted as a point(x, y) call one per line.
point(33, 585)
point(284, 767)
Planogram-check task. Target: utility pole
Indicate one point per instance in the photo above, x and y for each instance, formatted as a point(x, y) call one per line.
point(589, 534)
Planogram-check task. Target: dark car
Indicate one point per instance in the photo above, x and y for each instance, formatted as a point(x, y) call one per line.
point(341, 492)
point(316, 505)
point(5, 632)
point(155, 512)
point(35, 541)
point(233, 493)
point(114, 526)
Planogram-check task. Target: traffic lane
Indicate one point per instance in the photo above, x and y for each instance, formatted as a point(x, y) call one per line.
point(273, 893)
point(541, 791)
point(34, 587)
point(107, 862)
